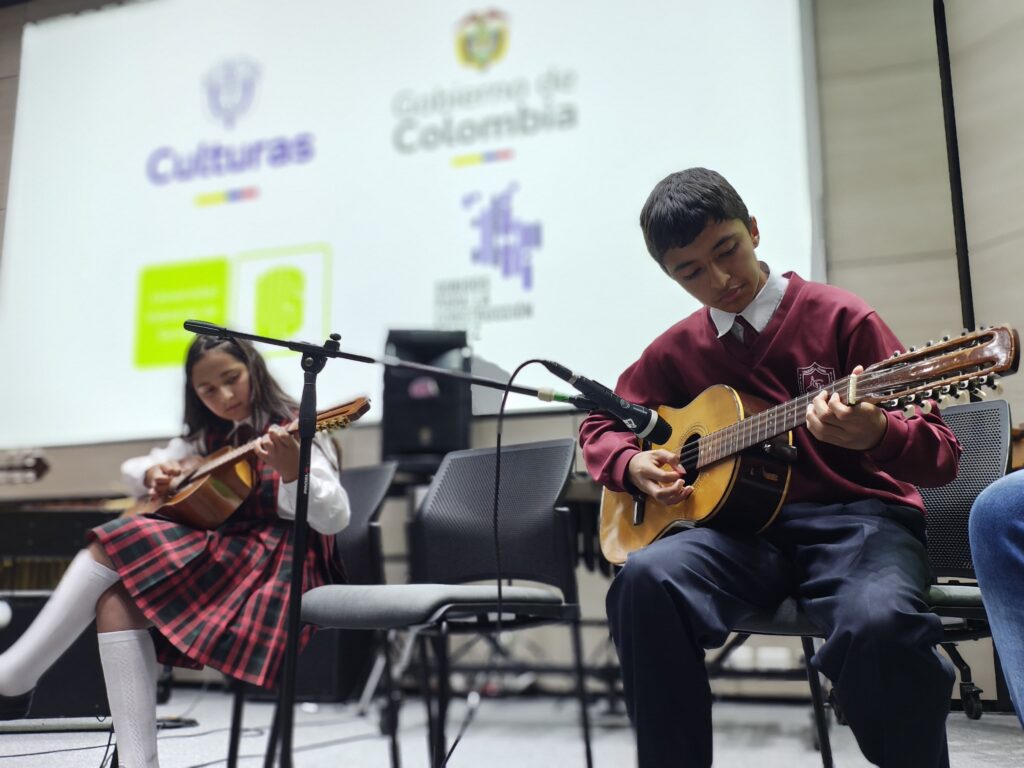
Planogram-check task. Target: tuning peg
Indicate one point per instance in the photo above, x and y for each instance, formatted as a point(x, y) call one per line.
point(909, 410)
point(926, 407)
point(946, 336)
point(912, 349)
point(925, 394)
point(981, 394)
point(896, 353)
point(891, 404)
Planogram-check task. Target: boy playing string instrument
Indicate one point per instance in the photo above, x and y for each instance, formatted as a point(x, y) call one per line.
point(849, 540)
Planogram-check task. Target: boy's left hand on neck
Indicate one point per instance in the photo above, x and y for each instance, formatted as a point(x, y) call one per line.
point(859, 427)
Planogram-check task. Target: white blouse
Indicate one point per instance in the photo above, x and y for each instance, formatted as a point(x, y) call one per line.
point(328, 510)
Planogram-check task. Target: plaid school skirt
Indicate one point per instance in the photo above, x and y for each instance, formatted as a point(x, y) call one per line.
point(216, 598)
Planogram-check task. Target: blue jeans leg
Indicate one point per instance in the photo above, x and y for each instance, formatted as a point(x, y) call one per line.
point(997, 547)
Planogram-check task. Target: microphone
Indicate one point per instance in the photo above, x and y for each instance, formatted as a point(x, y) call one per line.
point(645, 423)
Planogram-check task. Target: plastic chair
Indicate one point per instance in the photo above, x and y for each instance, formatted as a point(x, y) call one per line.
point(983, 430)
point(452, 542)
point(357, 547)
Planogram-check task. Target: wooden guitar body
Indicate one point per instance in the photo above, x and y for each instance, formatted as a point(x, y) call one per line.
point(210, 500)
point(741, 492)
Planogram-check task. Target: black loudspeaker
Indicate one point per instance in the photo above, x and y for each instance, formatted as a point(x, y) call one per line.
point(425, 416)
point(72, 687)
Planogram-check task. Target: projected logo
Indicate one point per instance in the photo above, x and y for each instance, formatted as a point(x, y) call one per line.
point(481, 39)
point(272, 292)
point(230, 89)
point(506, 243)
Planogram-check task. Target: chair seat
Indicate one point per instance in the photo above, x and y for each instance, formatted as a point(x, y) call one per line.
point(788, 619)
point(954, 596)
point(394, 606)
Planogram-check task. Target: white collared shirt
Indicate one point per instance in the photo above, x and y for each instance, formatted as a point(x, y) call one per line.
point(758, 312)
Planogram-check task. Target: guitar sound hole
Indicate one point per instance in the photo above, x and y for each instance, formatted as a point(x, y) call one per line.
point(689, 456)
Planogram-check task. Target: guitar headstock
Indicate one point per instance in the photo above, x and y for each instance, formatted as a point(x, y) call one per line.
point(949, 367)
point(342, 415)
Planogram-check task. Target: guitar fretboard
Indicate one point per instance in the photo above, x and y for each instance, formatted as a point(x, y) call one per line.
point(212, 465)
point(763, 426)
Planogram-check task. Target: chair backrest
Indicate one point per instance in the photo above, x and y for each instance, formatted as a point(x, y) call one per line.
point(355, 545)
point(451, 536)
point(983, 430)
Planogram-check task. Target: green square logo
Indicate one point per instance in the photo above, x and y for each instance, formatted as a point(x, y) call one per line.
point(169, 294)
point(279, 301)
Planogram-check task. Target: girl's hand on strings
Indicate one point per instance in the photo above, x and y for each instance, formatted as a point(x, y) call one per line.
point(281, 451)
point(158, 478)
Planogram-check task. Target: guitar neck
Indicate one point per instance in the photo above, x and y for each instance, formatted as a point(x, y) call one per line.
point(761, 427)
point(235, 454)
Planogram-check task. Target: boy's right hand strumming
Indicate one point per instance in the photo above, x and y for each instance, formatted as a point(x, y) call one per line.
point(657, 475)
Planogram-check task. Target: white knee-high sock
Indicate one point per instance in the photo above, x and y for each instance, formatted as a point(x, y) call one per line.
point(70, 609)
point(130, 672)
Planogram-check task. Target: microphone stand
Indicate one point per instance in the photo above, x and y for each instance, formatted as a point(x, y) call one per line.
point(314, 358)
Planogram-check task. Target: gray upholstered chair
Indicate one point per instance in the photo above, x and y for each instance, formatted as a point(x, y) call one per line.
point(454, 538)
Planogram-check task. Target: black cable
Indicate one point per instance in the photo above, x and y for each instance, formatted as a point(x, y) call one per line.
point(497, 486)
point(305, 748)
point(473, 698)
point(110, 738)
point(473, 703)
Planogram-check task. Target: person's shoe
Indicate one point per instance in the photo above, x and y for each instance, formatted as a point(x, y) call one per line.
point(15, 707)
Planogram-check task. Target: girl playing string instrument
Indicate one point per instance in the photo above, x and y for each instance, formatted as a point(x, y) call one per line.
point(161, 590)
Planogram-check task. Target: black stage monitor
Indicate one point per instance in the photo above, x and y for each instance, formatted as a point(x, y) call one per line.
point(425, 416)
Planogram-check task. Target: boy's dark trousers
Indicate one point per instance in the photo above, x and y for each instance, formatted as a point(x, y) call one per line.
point(859, 570)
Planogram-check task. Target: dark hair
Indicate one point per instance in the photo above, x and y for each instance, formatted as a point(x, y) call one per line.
point(270, 403)
point(682, 204)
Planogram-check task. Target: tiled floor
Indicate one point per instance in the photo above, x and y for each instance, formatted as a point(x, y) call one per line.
point(503, 734)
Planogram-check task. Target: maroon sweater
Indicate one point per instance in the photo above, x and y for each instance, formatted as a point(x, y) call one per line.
point(817, 335)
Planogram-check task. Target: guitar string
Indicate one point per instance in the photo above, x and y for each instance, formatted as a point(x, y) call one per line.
point(738, 436)
point(211, 466)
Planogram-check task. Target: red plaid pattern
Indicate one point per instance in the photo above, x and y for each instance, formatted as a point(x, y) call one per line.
point(219, 598)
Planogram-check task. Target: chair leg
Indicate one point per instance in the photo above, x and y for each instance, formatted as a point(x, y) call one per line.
point(581, 689)
point(443, 694)
point(390, 704)
point(237, 707)
point(428, 697)
point(820, 721)
point(271, 748)
point(970, 694)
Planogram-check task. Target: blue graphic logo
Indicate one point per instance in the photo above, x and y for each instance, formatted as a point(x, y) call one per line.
point(506, 243)
point(230, 87)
